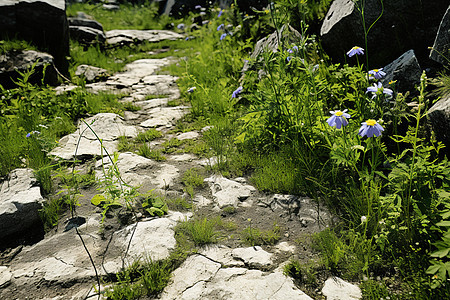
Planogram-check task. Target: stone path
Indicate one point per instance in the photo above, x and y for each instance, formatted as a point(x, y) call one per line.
point(58, 267)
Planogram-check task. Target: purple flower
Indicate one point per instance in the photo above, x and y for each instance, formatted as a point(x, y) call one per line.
point(198, 7)
point(288, 58)
point(187, 38)
point(338, 118)
point(355, 50)
point(293, 49)
point(223, 36)
point(370, 128)
point(378, 88)
point(191, 89)
point(28, 134)
point(180, 26)
point(220, 27)
point(377, 73)
point(220, 13)
point(237, 92)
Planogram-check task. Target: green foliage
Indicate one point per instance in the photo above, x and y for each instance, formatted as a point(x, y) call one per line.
point(200, 231)
point(253, 236)
point(155, 206)
point(148, 136)
point(146, 151)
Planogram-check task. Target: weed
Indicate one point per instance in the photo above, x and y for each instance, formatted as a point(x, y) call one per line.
point(146, 151)
point(171, 145)
point(148, 136)
point(253, 236)
point(200, 231)
point(125, 144)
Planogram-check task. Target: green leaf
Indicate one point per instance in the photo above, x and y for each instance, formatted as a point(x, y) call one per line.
point(158, 203)
point(153, 211)
point(440, 253)
point(97, 199)
point(432, 269)
point(443, 223)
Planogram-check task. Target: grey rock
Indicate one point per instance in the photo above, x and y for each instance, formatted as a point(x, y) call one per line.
point(342, 29)
point(91, 73)
point(227, 192)
point(5, 276)
point(405, 70)
point(188, 135)
point(124, 36)
point(337, 289)
point(20, 201)
point(200, 277)
point(111, 7)
point(253, 257)
point(441, 46)
point(14, 62)
point(85, 21)
point(288, 35)
point(43, 22)
point(87, 35)
point(439, 117)
point(107, 126)
point(164, 116)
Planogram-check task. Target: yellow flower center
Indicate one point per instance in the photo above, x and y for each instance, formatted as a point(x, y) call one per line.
point(375, 70)
point(338, 113)
point(266, 11)
point(356, 47)
point(371, 122)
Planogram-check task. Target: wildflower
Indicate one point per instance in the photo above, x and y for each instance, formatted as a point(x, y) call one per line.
point(392, 82)
point(293, 49)
point(220, 27)
point(377, 73)
point(223, 36)
point(32, 132)
point(198, 7)
point(187, 38)
point(191, 89)
point(206, 22)
point(355, 50)
point(180, 26)
point(28, 134)
point(363, 219)
point(237, 92)
point(378, 88)
point(338, 118)
point(220, 13)
point(370, 128)
point(267, 11)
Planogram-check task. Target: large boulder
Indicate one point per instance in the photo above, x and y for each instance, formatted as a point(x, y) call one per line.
point(20, 201)
point(42, 22)
point(439, 118)
point(86, 30)
point(405, 71)
point(403, 25)
point(441, 46)
point(20, 61)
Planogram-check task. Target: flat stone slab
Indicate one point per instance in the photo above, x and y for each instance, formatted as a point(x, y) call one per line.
point(107, 126)
point(201, 277)
point(164, 116)
point(129, 36)
point(337, 289)
point(20, 201)
point(227, 192)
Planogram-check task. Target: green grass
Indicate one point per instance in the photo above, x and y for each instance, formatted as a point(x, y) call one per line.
point(199, 231)
point(252, 236)
point(146, 151)
point(148, 135)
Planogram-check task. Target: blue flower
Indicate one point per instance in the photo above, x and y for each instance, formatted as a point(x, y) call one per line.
point(220, 13)
point(191, 89)
point(28, 134)
point(223, 36)
point(355, 50)
point(220, 27)
point(180, 26)
point(338, 118)
point(377, 73)
point(378, 88)
point(237, 92)
point(370, 128)
point(293, 49)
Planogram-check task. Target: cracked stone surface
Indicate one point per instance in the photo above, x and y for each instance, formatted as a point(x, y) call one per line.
point(164, 116)
point(20, 201)
point(5, 276)
point(130, 36)
point(107, 126)
point(201, 277)
point(227, 192)
point(338, 289)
